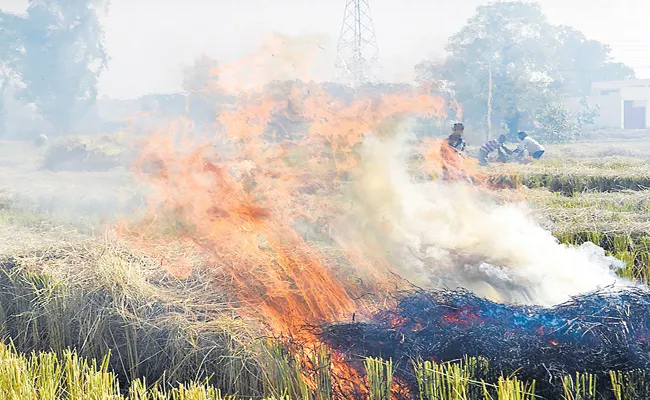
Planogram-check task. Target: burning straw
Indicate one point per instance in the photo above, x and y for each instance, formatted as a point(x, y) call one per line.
point(246, 210)
point(598, 332)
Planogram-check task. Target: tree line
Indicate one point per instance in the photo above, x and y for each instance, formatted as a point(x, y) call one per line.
point(507, 66)
point(51, 58)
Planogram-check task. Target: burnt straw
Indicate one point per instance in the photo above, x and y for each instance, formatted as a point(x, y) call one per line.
point(596, 333)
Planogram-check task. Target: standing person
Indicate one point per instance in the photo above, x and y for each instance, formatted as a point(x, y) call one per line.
point(490, 146)
point(452, 151)
point(456, 139)
point(529, 144)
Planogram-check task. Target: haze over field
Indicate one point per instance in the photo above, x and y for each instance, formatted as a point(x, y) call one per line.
point(188, 187)
point(150, 41)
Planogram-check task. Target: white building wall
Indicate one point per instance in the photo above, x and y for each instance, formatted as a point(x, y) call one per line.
point(611, 111)
point(611, 97)
point(641, 98)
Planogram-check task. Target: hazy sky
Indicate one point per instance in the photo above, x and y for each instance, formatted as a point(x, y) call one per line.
point(150, 41)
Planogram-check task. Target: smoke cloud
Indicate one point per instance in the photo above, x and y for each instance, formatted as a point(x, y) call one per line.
point(436, 234)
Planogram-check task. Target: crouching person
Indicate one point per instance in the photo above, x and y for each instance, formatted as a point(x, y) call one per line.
point(530, 145)
point(490, 146)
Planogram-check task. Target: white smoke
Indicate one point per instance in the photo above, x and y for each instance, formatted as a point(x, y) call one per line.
point(437, 234)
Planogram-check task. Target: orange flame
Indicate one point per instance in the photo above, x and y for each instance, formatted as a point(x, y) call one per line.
point(246, 223)
point(444, 162)
point(244, 207)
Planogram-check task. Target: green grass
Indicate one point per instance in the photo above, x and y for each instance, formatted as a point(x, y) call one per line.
point(631, 385)
point(48, 376)
point(607, 166)
point(380, 378)
point(449, 380)
point(595, 148)
point(624, 202)
point(580, 387)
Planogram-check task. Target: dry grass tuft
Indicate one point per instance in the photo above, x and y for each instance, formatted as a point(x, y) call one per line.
point(88, 153)
point(99, 298)
point(624, 212)
point(570, 176)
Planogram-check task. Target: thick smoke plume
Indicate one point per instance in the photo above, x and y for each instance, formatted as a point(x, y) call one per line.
point(437, 234)
point(306, 165)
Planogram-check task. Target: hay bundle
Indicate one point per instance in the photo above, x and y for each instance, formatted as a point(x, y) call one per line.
point(88, 153)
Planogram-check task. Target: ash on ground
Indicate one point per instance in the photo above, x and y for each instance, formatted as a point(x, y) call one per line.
point(597, 332)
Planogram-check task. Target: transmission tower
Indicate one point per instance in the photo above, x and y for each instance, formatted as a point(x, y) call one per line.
point(358, 55)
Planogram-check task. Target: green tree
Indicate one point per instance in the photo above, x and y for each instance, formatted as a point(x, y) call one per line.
point(504, 52)
point(582, 61)
point(558, 125)
point(10, 54)
point(509, 61)
point(62, 59)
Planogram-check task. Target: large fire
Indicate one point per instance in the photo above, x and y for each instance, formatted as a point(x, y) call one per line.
point(266, 203)
point(242, 206)
point(242, 198)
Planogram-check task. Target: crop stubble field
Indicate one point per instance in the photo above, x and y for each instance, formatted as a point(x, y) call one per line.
point(63, 288)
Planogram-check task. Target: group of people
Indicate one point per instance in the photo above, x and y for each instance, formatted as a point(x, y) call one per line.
point(527, 146)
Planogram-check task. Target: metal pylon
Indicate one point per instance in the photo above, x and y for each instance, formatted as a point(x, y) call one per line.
point(357, 52)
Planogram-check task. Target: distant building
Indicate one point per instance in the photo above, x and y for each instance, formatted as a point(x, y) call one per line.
point(623, 104)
